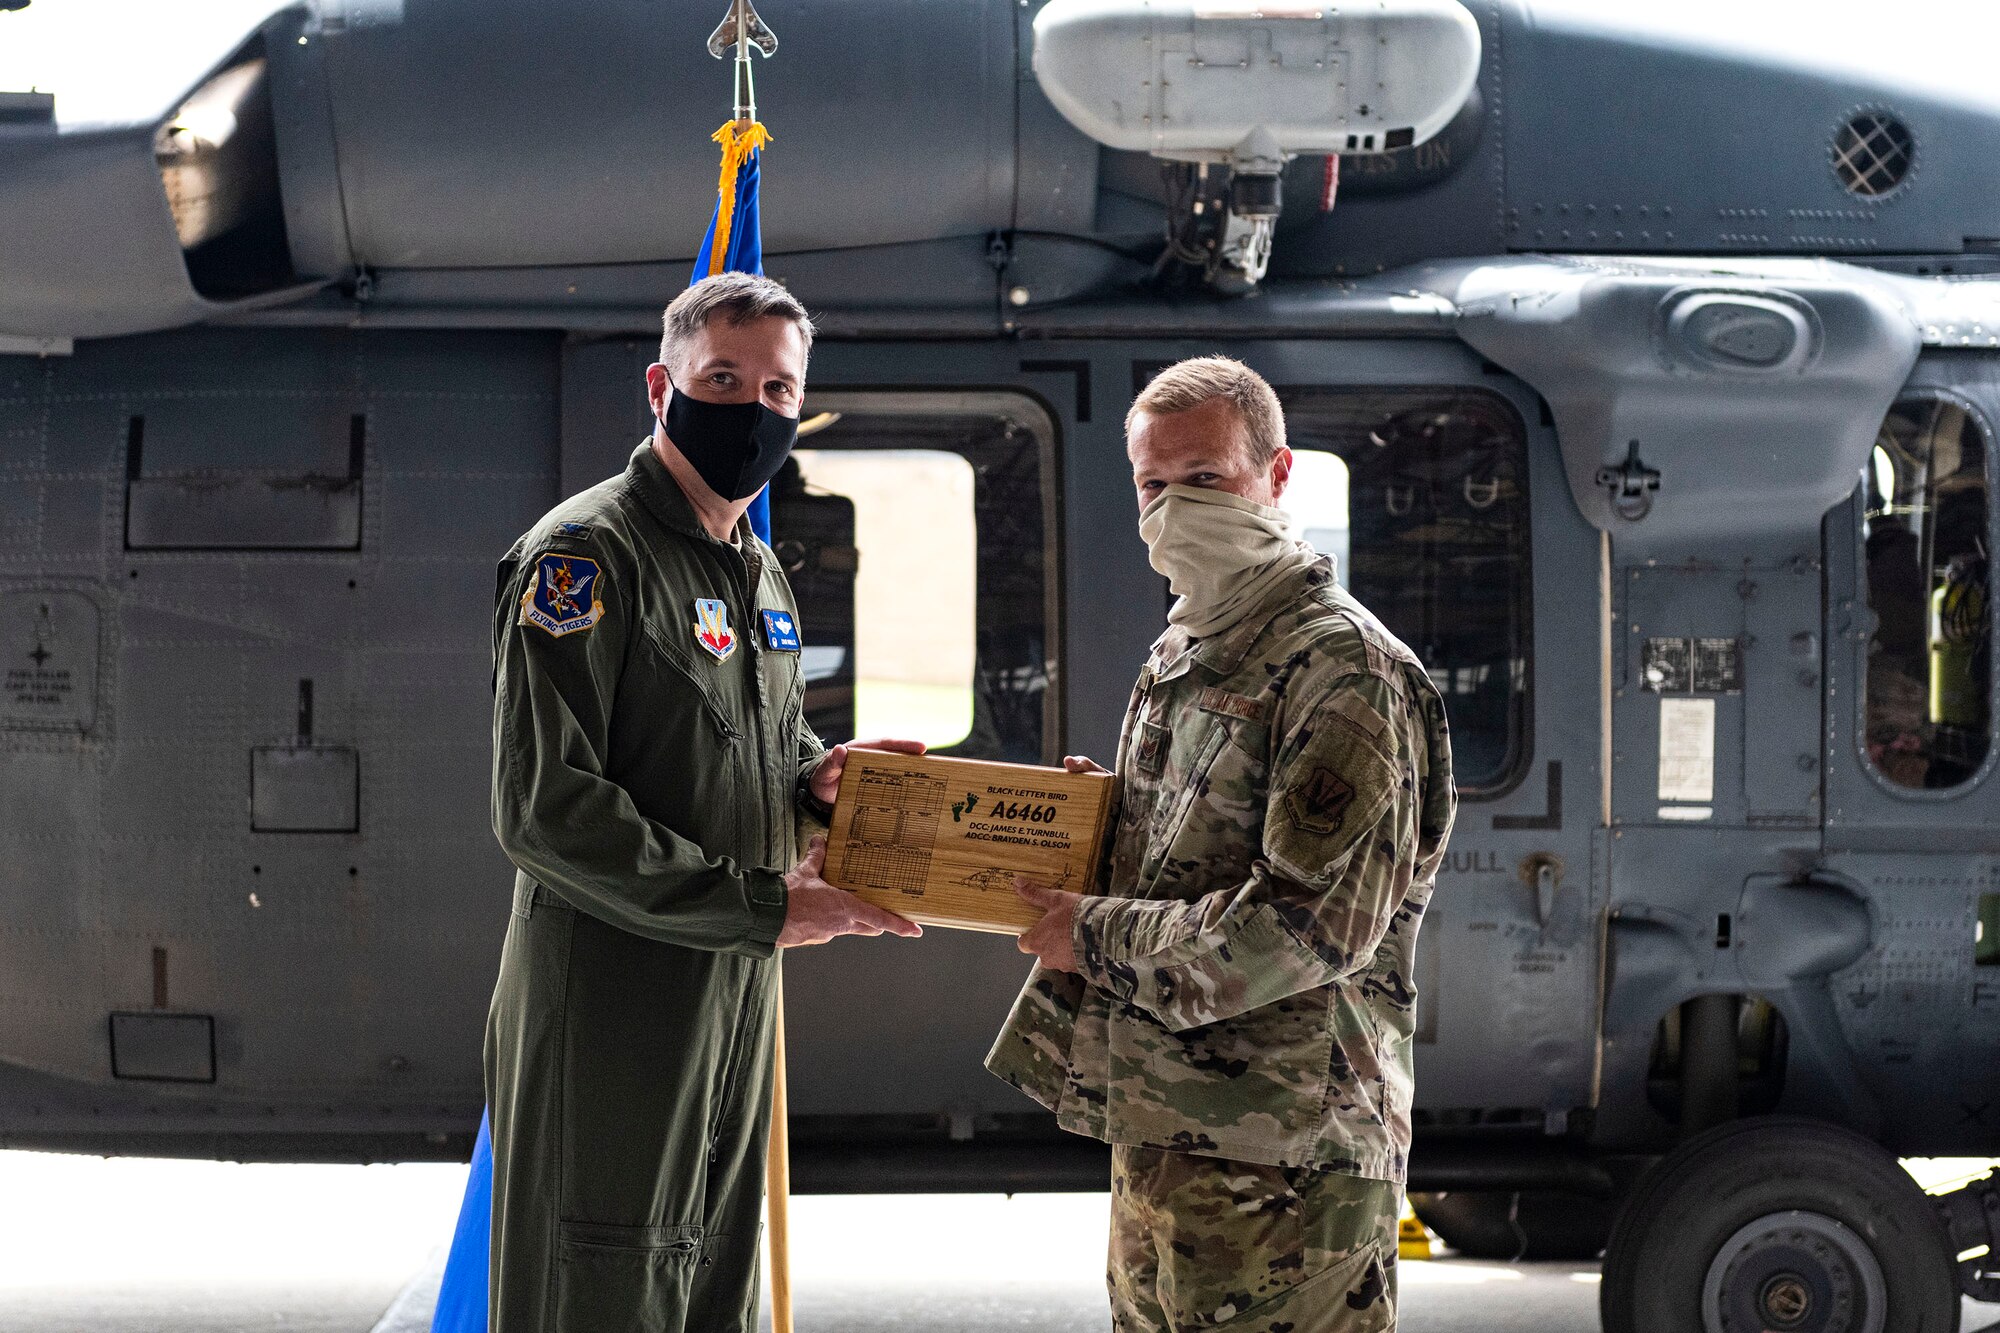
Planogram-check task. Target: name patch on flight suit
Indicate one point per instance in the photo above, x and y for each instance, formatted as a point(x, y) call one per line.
point(563, 597)
point(781, 632)
point(711, 627)
point(1233, 705)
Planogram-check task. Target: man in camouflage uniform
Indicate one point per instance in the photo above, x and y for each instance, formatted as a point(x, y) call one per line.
point(1233, 1010)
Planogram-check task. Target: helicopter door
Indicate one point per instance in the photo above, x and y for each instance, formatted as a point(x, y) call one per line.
point(1422, 496)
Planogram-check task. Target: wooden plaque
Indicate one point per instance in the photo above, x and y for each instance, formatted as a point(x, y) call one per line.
point(940, 840)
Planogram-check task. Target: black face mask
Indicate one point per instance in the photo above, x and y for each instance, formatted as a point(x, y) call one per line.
point(736, 447)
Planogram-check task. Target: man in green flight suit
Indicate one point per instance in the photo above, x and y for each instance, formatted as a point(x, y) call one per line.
point(650, 761)
point(1233, 1009)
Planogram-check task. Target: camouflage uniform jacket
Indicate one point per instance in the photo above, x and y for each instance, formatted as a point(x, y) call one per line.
point(1246, 986)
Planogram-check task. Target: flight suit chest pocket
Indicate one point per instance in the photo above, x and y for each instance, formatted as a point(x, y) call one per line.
point(1177, 790)
point(687, 678)
point(1210, 807)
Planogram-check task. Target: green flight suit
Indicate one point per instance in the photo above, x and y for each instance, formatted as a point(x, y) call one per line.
point(649, 760)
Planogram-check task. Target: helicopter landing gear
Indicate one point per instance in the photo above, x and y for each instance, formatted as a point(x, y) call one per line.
point(1779, 1224)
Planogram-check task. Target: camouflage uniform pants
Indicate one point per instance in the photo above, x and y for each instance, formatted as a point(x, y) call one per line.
point(1205, 1243)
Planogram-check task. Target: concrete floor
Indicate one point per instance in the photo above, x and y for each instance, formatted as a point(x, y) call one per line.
point(127, 1246)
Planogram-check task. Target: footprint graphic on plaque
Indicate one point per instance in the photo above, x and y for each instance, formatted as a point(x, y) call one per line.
point(895, 828)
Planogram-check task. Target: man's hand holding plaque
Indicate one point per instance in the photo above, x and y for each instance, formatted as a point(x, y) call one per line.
point(1052, 939)
point(816, 911)
point(825, 782)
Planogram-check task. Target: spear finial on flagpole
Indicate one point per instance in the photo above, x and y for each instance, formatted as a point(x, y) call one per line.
point(740, 136)
point(742, 28)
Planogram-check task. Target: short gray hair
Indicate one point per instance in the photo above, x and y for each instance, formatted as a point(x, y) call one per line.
point(1186, 385)
point(736, 297)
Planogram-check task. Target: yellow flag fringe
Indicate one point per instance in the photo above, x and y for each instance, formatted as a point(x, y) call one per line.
point(739, 139)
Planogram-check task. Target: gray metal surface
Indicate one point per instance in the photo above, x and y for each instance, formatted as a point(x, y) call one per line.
point(397, 163)
point(149, 824)
point(1605, 348)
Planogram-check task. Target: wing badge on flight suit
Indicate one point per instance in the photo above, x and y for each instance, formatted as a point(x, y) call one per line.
point(711, 627)
point(563, 597)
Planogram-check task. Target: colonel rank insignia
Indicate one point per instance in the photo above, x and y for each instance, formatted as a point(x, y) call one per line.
point(711, 627)
point(563, 596)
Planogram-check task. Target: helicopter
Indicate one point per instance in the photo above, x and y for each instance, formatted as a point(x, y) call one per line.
point(1643, 369)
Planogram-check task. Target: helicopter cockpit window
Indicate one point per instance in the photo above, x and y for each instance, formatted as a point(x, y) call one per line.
point(1930, 661)
point(913, 529)
point(1421, 497)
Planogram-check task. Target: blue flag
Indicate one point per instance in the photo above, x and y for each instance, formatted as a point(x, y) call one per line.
point(734, 242)
point(461, 1306)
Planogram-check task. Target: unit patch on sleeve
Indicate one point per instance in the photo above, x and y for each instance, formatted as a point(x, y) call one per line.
point(711, 627)
point(565, 595)
point(1319, 804)
point(781, 631)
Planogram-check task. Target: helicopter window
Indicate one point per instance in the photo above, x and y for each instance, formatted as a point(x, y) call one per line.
point(1929, 713)
point(912, 527)
point(1421, 497)
point(1316, 498)
point(914, 589)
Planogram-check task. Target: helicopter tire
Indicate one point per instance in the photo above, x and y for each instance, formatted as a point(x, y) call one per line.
point(1778, 1223)
point(1520, 1224)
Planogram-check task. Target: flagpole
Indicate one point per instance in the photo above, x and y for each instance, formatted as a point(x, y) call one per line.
point(778, 1186)
point(742, 28)
point(746, 88)
point(778, 1162)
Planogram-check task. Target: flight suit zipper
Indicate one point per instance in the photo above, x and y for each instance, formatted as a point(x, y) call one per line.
point(743, 568)
point(749, 586)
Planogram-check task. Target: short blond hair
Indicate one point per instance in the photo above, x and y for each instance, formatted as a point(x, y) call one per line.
point(1186, 385)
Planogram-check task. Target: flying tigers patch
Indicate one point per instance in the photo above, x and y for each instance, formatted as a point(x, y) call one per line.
point(563, 597)
point(1319, 804)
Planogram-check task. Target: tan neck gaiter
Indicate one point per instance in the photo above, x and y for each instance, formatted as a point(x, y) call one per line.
point(1221, 554)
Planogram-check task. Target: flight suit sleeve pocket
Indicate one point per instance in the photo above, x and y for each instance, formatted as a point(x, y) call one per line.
point(611, 1276)
point(1331, 790)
